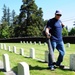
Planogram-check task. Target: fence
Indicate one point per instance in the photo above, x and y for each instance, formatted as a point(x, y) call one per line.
point(42, 39)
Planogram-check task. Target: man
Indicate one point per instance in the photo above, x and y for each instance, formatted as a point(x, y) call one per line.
point(54, 33)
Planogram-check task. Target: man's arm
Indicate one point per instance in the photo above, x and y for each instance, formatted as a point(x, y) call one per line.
point(47, 33)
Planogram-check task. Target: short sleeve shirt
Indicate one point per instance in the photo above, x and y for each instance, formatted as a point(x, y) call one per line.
point(55, 30)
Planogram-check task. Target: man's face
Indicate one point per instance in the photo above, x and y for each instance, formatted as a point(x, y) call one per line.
point(57, 16)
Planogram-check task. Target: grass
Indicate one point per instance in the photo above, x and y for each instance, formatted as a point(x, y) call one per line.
point(36, 67)
point(1, 73)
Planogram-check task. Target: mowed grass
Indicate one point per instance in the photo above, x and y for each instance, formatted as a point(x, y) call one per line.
point(36, 67)
point(1, 73)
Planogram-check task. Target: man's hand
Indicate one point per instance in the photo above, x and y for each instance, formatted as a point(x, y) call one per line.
point(48, 36)
point(63, 25)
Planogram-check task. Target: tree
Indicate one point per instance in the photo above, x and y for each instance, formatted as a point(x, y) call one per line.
point(4, 30)
point(45, 22)
point(8, 16)
point(30, 18)
point(72, 32)
point(13, 15)
point(65, 32)
point(4, 17)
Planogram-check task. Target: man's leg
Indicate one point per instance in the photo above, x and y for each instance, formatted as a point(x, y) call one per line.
point(50, 63)
point(61, 49)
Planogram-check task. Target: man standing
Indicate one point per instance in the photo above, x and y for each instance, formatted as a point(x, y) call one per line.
point(54, 33)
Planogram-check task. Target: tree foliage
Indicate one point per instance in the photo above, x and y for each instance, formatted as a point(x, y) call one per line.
point(4, 30)
point(72, 32)
point(6, 27)
point(30, 18)
point(65, 32)
point(29, 22)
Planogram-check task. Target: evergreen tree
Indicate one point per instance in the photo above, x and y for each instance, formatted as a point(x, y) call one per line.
point(65, 32)
point(8, 16)
point(45, 22)
point(4, 17)
point(72, 32)
point(13, 15)
point(4, 30)
point(30, 19)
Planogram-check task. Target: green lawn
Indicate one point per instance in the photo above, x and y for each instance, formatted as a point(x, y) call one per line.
point(36, 67)
point(1, 73)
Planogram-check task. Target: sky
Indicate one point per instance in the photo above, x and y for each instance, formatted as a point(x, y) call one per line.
point(49, 7)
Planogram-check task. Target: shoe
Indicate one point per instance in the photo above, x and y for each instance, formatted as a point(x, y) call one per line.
point(52, 68)
point(61, 66)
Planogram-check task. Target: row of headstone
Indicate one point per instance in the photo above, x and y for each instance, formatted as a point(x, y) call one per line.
point(32, 55)
point(23, 67)
point(32, 50)
point(67, 45)
point(3, 46)
point(32, 43)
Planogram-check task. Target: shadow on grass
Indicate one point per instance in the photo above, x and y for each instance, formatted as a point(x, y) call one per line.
point(66, 69)
point(37, 68)
point(41, 61)
point(43, 68)
point(15, 70)
point(2, 70)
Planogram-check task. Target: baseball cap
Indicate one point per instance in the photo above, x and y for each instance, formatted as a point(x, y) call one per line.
point(58, 12)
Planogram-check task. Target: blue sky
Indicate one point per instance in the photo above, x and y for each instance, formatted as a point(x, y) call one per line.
point(48, 6)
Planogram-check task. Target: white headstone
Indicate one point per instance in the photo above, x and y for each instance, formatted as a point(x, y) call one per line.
point(24, 42)
point(1, 46)
point(35, 43)
point(30, 42)
point(32, 53)
point(23, 69)
point(14, 49)
point(68, 45)
point(22, 51)
point(6, 62)
point(9, 48)
point(46, 56)
point(21, 42)
point(27, 42)
point(72, 62)
point(4, 47)
point(39, 42)
point(45, 44)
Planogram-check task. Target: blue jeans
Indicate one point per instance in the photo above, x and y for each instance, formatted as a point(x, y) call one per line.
point(59, 45)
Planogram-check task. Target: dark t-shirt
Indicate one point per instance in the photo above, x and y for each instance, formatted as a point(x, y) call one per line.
point(55, 30)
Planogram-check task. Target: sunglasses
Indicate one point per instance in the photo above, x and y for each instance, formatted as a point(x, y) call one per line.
point(58, 15)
